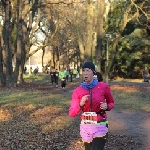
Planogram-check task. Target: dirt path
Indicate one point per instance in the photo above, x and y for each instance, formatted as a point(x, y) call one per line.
point(131, 125)
point(128, 130)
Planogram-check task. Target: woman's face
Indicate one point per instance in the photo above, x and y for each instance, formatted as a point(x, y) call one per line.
point(87, 75)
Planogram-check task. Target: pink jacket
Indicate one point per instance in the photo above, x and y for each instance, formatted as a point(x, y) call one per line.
point(100, 93)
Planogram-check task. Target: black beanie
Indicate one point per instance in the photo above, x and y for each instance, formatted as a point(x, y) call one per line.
point(89, 65)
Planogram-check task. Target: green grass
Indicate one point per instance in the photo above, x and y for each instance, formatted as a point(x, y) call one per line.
point(36, 78)
point(16, 101)
point(32, 97)
point(38, 106)
point(123, 99)
point(139, 100)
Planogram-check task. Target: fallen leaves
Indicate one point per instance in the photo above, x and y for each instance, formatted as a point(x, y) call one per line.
point(5, 115)
point(46, 126)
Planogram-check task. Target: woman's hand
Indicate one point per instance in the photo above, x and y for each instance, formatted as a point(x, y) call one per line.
point(103, 105)
point(83, 100)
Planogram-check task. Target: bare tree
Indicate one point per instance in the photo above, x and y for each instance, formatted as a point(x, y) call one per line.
point(7, 50)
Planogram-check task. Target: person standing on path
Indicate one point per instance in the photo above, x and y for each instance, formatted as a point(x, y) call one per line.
point(146, 75)
point(56, 77)
point(52, 76)
point(93, 98)
point(67, 75)
point(62, 76)
point(71, 74)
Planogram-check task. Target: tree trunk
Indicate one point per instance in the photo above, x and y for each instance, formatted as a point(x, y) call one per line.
point(89, 31)
point(99, 33)
point(2, 79)
point(20, 53)
point(7, 55)
point(81, 49)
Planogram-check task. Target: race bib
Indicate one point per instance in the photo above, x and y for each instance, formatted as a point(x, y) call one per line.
point(89, 118)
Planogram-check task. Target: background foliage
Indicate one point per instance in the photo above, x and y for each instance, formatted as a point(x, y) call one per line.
point(74, 30)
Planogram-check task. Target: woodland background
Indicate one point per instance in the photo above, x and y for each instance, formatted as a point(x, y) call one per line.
point(74, 31)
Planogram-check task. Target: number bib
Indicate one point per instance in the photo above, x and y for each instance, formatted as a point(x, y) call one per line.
point(89, 118)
